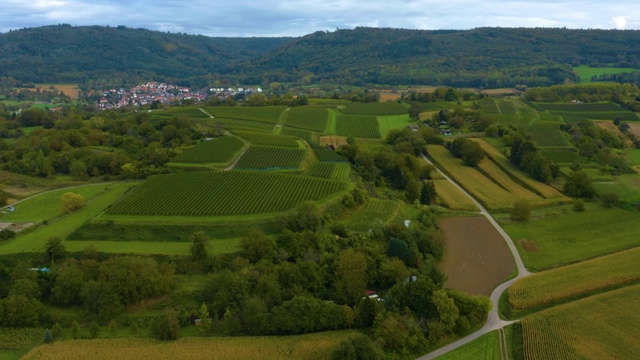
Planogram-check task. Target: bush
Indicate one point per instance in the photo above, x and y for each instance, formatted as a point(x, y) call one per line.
point(521, 211)
point(71, 201)
point(56, 330)
point(578, 206)
point(165, 327)
point(6, 234)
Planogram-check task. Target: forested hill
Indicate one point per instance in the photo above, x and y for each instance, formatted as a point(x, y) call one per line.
point(491, 57)
point(64, 53)
point(488, 57)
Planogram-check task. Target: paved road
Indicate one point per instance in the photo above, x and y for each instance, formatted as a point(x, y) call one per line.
point(493, 321)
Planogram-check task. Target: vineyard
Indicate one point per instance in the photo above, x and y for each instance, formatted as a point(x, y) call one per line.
point(374, 211)
point(219, 150)
point(507, 107)
point(211, 193)
point(268, 114)
point(357, 126)
point(580, 279)
point(489, 105)
point(548, 137)
point(238, 124)
point(257, 138)
point(312, 118)
point(302, 134)
point(588, 107)
point(339, 171)
point(598, 327)
point(266, 157)
point(324, 153)
point(562, 156)
point(379, 108)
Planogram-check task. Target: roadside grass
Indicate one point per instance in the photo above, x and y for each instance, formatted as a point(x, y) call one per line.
point(486, 347)
point(598, 327)
point(571, 282)
point(47, 206)
point(33, 239)
point(560, 236)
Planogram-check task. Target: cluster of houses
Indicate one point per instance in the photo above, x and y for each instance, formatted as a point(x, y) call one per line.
point(146, 94)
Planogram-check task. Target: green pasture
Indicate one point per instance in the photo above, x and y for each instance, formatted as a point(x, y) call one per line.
point(632, 156)
point(587, 72)
point(217, 246)
point(34, 240)
point(389, 122)
point(560, 236)
point(47, 206)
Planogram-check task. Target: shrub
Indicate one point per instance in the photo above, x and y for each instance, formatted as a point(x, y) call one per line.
point(578, 206)
point(521, 210)
point(71, 201)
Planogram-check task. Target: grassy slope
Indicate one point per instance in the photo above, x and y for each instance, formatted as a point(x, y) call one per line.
point(586, 72)
point(34, 241)
point(389, 122)
point(565, 236)
point(485, 347)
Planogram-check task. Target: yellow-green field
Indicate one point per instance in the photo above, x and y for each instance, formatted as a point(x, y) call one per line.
point(483, 188)
point(312, 346)
point(576, 280)
point(604, 326)
point(501, 161)
point(450, 197)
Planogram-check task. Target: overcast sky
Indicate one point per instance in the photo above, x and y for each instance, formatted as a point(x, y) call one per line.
point(301, 17)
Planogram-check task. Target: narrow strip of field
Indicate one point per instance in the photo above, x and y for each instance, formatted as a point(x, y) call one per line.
point(312, 346)
point(451, 198)
point(476, 258)
point(486, 347)
point(215, 246)
point(374, 211)
point(576, 280)
point(603, 326)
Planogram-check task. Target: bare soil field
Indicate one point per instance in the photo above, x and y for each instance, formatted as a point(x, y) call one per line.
point(609, 126)
point(476, 258)
point(70, 90)
point(634, 128)
point(333, 139)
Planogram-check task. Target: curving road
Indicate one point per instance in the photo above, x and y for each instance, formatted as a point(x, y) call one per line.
point(493, 321)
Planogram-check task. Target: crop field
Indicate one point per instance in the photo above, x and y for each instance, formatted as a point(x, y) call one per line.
point(258, 138)
point(324, 153)
point(576, 280)
point(486, 347)
point(374, 211)
point(209, 193)
point(548, 137)
point(603, 326)
point(505, 165)
point(451, 197)
point(602, 115)
point(311, 346)
point(476, 259)
point(220, 150)
point(268, 114)
point(312, 118)
point(267, 157)
point(305, 135)
point(338, 171)
point(380, 108)
point(564, 236)
point(481, 187)
point(357, 126)
point(489, 105)
point(71, 90)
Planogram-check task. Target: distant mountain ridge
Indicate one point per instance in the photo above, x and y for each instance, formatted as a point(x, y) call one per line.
point(483, 57)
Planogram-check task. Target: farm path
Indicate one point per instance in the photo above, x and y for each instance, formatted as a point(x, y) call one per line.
point(493, 321)
point(246, 147)
point(206, 113)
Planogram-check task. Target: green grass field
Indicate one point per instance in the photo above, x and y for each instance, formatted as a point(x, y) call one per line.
point(33, 241)
point(603, 326)
point(562, 236)
point(586, 72)
point(486, 347)
point(217, 246)
point(47, 206)
point(374, 211)
point(390, 122)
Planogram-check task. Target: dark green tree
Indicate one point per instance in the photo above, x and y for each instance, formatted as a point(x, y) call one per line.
point(94, 329)
point(165, 327)
point(54, 249)
point(48, 338)
point(579, 185)
point(199, 246)
point(428, 193)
